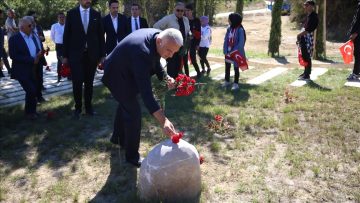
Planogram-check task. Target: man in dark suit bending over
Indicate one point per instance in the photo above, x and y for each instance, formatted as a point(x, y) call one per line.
point(114, 26)
point(127, 73)
point(135, 22)
point(84, 48)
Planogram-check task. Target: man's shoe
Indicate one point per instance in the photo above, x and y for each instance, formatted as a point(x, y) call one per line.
point(208, 70)
point(353, 76)
point(76, 115)
point(31, 116)
point(225, 84)
point(41, 100)
point(136, 163)
point(302, 75)
point(305, 78)
point(235, 86)
point(90, 113)
point(203, 71)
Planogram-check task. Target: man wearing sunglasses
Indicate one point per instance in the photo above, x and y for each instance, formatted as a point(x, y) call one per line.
point(178, 21)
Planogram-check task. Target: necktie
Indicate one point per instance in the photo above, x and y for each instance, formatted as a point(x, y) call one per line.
point(36, 44)
point(136, 24)
point(85, 20)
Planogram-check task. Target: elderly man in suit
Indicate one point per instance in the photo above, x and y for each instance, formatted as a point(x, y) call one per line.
point(178, 21)
point(25, 57)
point(114, 26)
point(135, 22)
point(127, 73)
point(84, 49)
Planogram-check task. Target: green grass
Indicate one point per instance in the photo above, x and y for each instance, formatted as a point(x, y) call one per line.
point(264, 141)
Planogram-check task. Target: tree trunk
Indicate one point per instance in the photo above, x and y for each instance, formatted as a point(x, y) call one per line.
point(156, 10)
point(239, 6)
point(275, 32)
point(319, 52)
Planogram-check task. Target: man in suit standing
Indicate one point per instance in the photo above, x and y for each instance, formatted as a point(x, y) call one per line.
point(136, 22)
point(178, 21)
point(84, 48)
point(25, 56)
point(127, 73)
point(114, 26)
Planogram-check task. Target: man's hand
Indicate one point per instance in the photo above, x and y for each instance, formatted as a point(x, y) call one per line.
point(353, 36)
point(170, 82)
point(167, 126)
point(65, 60)
point(38, 56)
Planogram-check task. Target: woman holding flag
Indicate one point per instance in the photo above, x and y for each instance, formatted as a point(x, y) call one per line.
point(233, 49)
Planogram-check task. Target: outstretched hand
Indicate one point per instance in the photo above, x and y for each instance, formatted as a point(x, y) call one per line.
point(168, 128)
point(170, 82)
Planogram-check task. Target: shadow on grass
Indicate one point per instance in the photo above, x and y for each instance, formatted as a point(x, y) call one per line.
point(282, 60)
point(58, 140)
point(314, 85)
point(120, 185)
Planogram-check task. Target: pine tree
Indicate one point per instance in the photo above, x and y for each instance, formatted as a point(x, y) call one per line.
point(275, 32)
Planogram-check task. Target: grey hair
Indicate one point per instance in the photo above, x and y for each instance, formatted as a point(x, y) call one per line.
point(30, 19)
point(172, 34)
point(24, 20)
point(179, 4)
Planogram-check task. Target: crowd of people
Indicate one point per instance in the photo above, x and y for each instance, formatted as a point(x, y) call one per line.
point(130, 53)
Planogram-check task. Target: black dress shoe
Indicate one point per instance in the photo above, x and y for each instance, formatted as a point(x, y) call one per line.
point(76, 115)
point(41, 100)
point(91, 113)
point(136, 163)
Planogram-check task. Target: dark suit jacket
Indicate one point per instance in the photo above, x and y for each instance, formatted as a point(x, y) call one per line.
point(22, 61)
point(128, 69)
point(355, 25)
point(143, 23)
point(113, 37)
point(75, 39)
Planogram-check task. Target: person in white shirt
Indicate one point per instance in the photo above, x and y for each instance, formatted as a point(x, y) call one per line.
point(10, 24)
point(57, 32)
point(204, 42)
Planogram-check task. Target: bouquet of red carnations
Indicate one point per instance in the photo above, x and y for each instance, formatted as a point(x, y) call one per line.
point(184, 85)
point(65, 70)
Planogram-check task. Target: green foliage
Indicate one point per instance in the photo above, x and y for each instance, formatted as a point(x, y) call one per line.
point(275, 32)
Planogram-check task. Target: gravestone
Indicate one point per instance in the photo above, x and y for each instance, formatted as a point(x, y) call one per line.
point(171, 173)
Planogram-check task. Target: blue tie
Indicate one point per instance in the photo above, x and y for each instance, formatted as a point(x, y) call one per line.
point(136, 24)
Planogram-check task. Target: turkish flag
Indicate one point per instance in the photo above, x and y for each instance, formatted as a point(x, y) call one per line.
point(347, 51)
point(302, 62)
point(65, 70)
point(236, 57)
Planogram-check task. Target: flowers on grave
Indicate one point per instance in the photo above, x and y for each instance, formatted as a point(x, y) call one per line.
point(184, 85)
point(176, 137)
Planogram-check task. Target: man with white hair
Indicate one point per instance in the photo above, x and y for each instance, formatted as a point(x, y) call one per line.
point(25, 57)
point(127, 73)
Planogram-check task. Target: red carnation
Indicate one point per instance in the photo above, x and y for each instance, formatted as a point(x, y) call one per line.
point(185, 85)
point(176, 137)
point(101, 66)
point(218, 118)
point(201, 159)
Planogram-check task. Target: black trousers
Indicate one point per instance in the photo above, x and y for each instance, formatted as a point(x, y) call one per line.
point(59, 54)
point(203, 51)
point(192, 52)
point(127, 127)
point(29, 86)
point(39, 80)
point(356, 69)
point(227, 73)
point(173, 65)
point(84, 81)
point(306, 56)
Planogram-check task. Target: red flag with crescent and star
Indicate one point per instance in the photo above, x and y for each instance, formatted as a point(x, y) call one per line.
point(347, 51)
point(236, 57)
